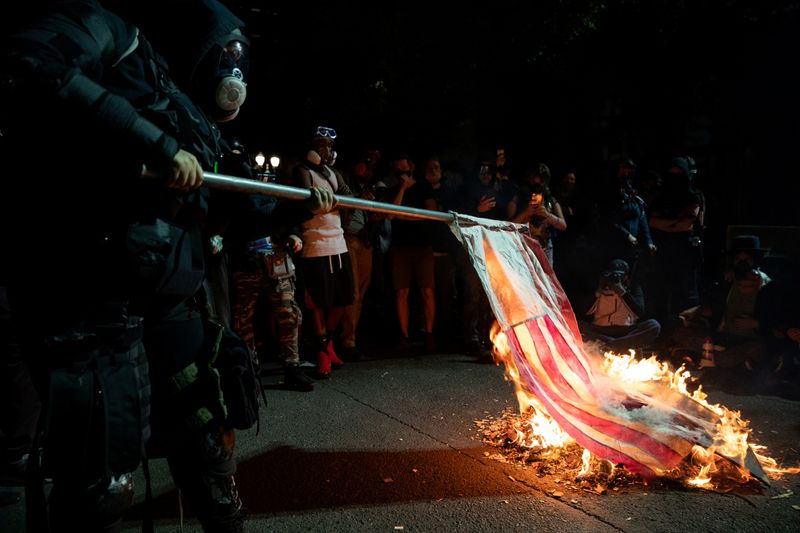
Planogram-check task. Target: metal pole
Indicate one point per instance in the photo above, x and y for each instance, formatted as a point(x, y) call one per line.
point(232, 183)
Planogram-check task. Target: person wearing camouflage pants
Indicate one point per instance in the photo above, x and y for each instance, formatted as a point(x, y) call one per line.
point(270, 274)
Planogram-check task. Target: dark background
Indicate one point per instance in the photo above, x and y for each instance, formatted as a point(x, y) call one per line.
point(571, 83)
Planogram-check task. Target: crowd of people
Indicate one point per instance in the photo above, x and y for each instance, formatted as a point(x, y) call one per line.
point(114, 340)
point(629, 248)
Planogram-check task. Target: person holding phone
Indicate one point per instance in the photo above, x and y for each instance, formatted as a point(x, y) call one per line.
point(535, 206)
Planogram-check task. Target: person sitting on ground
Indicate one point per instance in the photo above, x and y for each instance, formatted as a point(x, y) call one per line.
point(617, 321)
point(732, 316)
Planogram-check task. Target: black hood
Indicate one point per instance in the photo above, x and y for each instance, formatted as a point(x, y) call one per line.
point(183, 31)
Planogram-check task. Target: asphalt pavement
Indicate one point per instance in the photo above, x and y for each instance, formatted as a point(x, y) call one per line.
point(391, 444)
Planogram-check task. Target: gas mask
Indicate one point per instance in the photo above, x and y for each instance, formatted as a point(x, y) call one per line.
point(220, 79)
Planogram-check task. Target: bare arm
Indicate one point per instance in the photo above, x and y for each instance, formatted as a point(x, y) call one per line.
point(556, 218)
point(406, 182)
point(511, 209)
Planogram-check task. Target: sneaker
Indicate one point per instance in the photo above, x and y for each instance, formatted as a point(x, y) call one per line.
point(294, 378)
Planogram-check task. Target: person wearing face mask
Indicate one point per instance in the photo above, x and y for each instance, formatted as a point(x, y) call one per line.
point(119, 351)
point(325, 266)
point(204, 45)
point(677, 222)
point(616, 317)
point(731, 319)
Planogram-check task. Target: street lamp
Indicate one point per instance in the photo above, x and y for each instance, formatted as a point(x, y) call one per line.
point(274, 161)
point(261, 160)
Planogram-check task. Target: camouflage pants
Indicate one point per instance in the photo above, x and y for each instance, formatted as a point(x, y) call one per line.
point(284, 313)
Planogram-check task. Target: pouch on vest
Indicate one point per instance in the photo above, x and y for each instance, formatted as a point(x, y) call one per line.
point(167, 259)
point(278, 265)
point(239, 381)
point(98, 405)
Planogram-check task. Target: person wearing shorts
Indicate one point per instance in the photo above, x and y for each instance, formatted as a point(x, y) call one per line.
point(325, 266)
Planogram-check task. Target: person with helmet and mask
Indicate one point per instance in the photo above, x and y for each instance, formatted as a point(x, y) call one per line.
point(115, 333)
point(203, 43)
point(325, 266)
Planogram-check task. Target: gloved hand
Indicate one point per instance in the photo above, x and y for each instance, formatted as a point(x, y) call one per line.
point(321, 201)
point(216, 244)
point(185, 172)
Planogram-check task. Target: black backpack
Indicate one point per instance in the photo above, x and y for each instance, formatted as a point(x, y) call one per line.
point(229, 357)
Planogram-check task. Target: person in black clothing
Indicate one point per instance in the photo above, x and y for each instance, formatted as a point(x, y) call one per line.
point(446, 250)
point(412, 251)
point(617, 314)
point(677, 223)
point(622, 222)
point(259, 236)
point(482, 196)
point(120, 313)
point(19, 409)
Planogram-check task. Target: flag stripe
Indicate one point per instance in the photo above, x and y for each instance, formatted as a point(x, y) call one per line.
point(578, 364)
point(538, 355)
point(644, 453)
point(598, 448)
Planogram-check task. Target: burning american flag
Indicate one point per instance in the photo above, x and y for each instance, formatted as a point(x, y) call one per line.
point(632, 413)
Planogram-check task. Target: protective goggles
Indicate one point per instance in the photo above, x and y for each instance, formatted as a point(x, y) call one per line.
point(322, 131)
point(234, 60)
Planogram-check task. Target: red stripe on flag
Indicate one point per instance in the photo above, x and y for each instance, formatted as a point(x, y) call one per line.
point(552, 400)
point(576, 363)
point(595, 447)
point(546, 359)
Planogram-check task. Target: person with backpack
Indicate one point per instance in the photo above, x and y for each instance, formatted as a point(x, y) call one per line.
point(115, 331)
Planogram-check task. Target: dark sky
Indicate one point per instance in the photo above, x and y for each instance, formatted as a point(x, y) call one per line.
point(572, 83)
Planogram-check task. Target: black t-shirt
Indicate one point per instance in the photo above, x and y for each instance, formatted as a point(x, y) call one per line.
point(442, 238)
point(413, 232)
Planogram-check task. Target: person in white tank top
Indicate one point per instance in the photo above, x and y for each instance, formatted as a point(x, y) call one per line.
point(325, 265)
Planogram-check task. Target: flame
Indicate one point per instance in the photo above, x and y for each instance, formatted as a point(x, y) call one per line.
point(706, 465)
point(539, 429)
point(586, 463)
